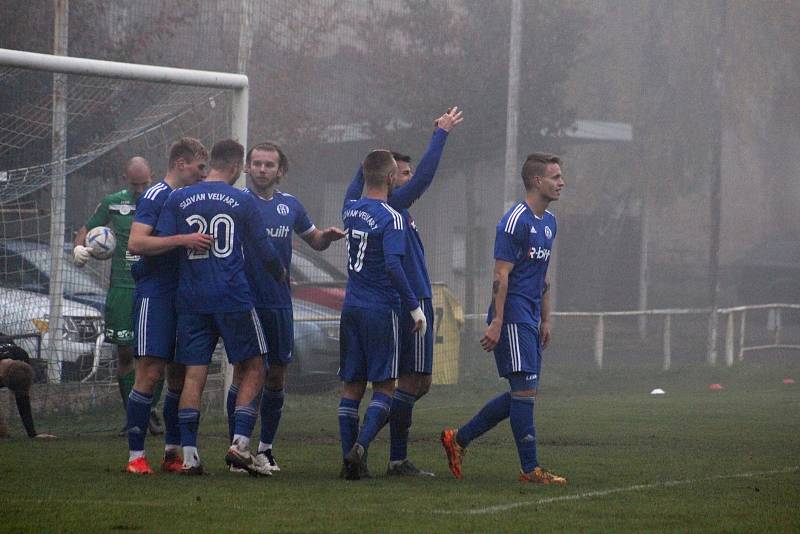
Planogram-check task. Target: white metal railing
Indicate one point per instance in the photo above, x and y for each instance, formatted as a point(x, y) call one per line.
point(774, 324)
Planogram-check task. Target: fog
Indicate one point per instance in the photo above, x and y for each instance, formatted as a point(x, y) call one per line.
point(648, 102)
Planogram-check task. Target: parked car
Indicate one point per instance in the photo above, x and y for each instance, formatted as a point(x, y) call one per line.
point(24, 315)
point(316, 346)
point(26, 265)
point(314, 279)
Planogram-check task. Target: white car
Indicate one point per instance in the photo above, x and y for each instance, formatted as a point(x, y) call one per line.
point(24, 315)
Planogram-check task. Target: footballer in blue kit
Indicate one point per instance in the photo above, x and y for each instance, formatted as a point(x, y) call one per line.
point(369, 328)
point(156, 277)
point(416, 350)
point(214, 299)
point(284, 215)
point(518, 319)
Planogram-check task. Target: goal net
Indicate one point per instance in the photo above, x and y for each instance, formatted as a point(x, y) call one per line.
point(109, 118)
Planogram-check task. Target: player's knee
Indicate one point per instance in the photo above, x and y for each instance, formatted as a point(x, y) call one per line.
point(124, 355)
point(423, 385)
point(176, 375)
point(354, 390)
point(275, 381)
point(408, 382)
point(252, 366)
point(386, 387)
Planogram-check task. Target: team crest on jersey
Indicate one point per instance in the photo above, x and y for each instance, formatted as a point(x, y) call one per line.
point(548, 232)
point(123, 209)
point(283, 209)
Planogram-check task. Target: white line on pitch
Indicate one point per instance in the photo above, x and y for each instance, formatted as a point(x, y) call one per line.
point(603, 493)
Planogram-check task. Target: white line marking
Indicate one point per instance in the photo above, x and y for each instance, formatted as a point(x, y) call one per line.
point(603, 493)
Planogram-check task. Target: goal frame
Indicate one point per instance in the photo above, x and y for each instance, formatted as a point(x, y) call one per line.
point(238, 84)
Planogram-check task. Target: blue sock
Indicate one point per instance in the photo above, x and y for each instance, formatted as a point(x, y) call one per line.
point(375, 418)
point(399, 423)
point(172, 431)
point(524, 429)
point(271, 409)
point(138, 408)
point(348, 423)
point(245, 421)
point(492, 413)
point(230, 407)
point(189, 421)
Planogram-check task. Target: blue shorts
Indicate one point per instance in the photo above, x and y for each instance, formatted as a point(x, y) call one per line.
point(154, 323)
point(416, 352)
point(278, 326)
point(198, 334)
point(518, 351)
point(368, 345)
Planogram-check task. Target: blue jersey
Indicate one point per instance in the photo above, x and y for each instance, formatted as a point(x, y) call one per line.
point(283, 214)
point(155, 276)
point(525, 240)
point(214, 281)
point(401, 199)
point(374, 232)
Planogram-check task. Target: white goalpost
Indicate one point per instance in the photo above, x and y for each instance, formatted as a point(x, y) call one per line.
point(13, 183)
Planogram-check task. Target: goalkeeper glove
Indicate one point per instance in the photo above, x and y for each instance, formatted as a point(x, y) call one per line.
point(81, 255)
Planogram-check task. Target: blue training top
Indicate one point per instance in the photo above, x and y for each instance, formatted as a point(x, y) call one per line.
point(283, 214)
point(155, 276)
point(525, 240)
point(401, 199)
point(375, 247)
point(214, 281)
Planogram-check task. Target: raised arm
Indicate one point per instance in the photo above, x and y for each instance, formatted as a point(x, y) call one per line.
point(356, 187)
point(403, 197)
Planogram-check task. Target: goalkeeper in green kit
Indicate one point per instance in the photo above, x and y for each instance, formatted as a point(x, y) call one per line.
point(117, 211)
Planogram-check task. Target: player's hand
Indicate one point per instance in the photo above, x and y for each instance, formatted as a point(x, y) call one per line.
point(197, 242)
point(81, 254)
point(450, 119)
point(420, 323)
point(544, 334)
point(332, 234)
point(45, 436)
point(491, 337)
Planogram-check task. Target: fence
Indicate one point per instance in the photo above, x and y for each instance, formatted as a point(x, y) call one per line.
point(735, 345)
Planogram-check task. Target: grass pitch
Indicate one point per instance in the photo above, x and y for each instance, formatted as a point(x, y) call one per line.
point(691, 460)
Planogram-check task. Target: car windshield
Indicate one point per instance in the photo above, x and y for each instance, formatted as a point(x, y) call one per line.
point(75, 281)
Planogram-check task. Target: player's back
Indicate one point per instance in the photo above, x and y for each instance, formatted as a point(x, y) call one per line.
point(155, 275)
point(373, 229)
point(214, 280)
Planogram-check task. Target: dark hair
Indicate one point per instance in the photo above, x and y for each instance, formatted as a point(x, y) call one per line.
point(19, 377)
point(377, 165)
point(271, 146)
point(535, 165)
point(226, 153)
point(188, 149)
point(401, 157)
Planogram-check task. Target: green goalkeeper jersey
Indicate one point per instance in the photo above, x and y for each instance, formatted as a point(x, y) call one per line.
point(116, 211)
